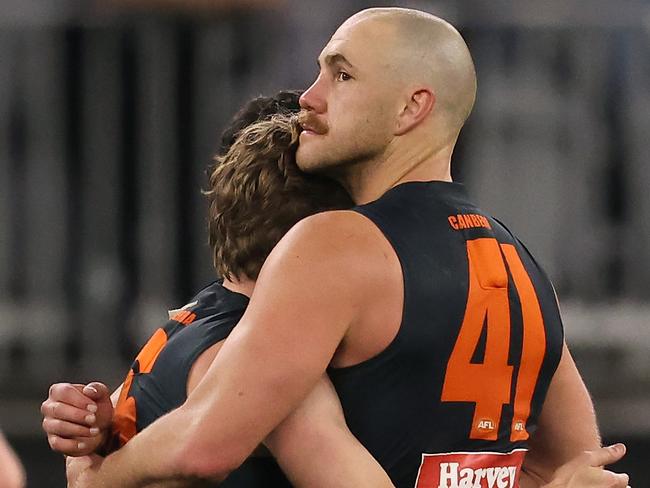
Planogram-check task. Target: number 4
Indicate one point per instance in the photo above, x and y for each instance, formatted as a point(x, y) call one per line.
point(488, 384)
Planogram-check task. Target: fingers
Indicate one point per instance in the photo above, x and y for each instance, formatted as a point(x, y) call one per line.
point(100, 393)
point(606, 455)
point(585, 470)
point(61, 411)
point(71, 394)
point(62, 428)
point(96, 391)
point(69, 420)
point(615, 480)
point(74, 447)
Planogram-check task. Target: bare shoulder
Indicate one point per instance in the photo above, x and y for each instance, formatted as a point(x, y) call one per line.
point(343, 231)
point(337, 259)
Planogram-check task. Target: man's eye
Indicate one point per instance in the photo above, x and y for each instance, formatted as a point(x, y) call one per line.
point(343, 76)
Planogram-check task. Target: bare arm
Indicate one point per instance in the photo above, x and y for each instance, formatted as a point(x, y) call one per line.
point(311, 290)
point(315, 431)
point(13, 474)
point(586, 471)
point(567, 425)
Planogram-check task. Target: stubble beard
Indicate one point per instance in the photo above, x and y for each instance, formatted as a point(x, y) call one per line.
point(334, 155)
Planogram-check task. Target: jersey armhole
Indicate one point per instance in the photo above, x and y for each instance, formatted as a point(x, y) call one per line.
point(377, 222)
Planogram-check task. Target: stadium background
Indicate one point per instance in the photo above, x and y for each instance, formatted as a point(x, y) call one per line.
point(110, 110)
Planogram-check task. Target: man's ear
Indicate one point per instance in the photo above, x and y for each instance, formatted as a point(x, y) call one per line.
point(417, 108)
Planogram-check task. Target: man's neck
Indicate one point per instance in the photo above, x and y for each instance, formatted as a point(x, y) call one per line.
point(244, 286)
point(369, 181)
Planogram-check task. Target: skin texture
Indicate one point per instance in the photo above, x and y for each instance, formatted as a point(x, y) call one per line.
point(585, 470)
point(554, 444)
point(13, 473)
point(403, 97)
point(76, 417)
point(333, 278)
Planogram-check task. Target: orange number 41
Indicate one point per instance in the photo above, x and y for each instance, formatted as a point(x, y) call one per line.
point(488, 384)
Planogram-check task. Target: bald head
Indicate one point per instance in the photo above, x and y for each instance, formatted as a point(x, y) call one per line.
point(421, 48)
point(394, 85)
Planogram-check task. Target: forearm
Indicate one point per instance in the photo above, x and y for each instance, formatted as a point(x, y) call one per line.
point(153, 458)
point(567, 424)
point(348, 464)
point(89, 472)
point(129, 469)
point(119, 469)
point(315, 431)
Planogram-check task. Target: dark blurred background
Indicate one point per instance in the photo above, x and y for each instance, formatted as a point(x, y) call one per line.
point(110, 111)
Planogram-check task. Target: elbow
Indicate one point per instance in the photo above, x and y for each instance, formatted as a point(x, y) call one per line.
point(203, 451)
point(205, 461)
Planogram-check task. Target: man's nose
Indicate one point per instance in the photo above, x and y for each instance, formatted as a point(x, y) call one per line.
point(313, 98)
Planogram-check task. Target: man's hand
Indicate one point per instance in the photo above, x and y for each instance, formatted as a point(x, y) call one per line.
point(585, 471)
point(77, 418)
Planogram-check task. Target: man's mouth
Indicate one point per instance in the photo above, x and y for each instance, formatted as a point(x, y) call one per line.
point(311, 126)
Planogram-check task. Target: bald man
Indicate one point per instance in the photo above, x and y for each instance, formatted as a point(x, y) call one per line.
point(440, 331)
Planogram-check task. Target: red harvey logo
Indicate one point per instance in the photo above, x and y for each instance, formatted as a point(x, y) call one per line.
point(470, 470)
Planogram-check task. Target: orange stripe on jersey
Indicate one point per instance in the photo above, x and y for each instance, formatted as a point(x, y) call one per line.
point(125, 416)
point(534, 343)
point(149, 353)
point(184, 317)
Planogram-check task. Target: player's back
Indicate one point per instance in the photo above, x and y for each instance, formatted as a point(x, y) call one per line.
point(479, 342)
point(157, 380)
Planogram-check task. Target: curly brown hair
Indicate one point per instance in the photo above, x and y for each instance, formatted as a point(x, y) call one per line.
point(257, 193)
point(259, 108)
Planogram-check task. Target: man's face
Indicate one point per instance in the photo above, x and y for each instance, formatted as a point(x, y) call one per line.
point(349, 111)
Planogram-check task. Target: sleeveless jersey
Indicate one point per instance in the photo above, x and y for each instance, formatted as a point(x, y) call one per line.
point(452, 400)
point(157, 380)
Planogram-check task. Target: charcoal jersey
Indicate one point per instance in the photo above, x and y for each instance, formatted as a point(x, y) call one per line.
point(452, 400)
point(157, 380)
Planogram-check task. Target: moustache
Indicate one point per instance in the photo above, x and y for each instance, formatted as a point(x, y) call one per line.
point(309, 121)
